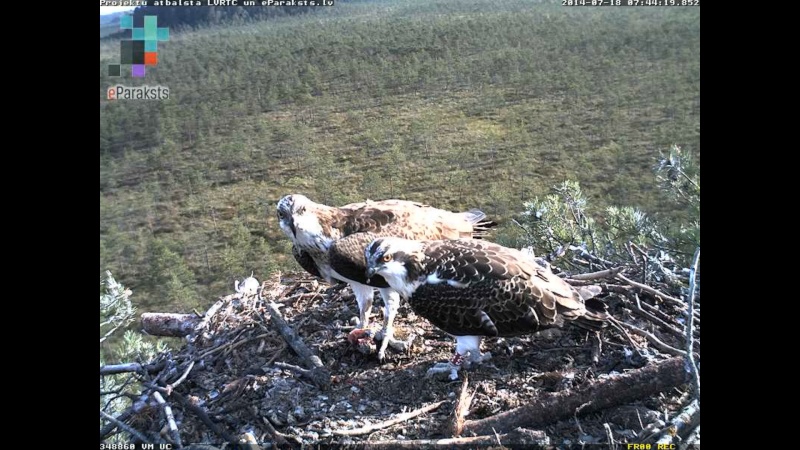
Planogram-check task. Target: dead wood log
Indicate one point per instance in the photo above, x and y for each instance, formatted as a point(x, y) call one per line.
point(169, 324)
point(601, 394)
point(519, 438)
point(318, 373)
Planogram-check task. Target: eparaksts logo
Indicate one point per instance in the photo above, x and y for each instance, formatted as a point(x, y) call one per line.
point(145, 92)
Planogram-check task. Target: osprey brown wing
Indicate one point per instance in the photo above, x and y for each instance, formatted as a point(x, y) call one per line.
point(367, 219)
point(306, 261)
point(408, 219)
point(347, 259)
point(486, 289)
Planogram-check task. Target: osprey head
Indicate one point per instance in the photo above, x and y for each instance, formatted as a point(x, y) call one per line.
point(289, 207)
point(397, 260)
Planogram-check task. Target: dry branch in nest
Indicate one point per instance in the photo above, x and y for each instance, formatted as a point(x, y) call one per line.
point(317, 371)
point(388, 423)
point(461, 409)
point(612, 391)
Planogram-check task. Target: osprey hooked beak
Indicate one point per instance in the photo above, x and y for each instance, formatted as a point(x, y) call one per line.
point(285, 219)
point(370, 254)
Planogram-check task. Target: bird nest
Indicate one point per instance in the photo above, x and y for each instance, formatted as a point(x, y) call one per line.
point(279, 370)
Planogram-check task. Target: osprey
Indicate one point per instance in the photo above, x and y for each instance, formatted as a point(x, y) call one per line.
point(471, 289)
point(329, 242)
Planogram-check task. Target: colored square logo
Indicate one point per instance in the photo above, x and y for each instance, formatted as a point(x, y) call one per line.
point(137, 71)
point(142, 49)
point(126, 22)
point(150, 58)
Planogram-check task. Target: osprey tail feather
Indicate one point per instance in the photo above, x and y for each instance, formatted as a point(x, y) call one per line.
point(480, 224)
point(596, 316)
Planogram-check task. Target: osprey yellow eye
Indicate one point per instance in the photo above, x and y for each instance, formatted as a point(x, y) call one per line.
point(387, 258)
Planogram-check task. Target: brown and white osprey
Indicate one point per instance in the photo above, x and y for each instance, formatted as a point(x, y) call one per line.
point(329, 242)
point(471, 289)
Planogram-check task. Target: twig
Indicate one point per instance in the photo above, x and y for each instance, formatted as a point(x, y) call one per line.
point(598, 348)
point(527, 231)
point(106, 430)
point(596, 259)
point(461, 409)
point(608, 273)
point(575, 416)
point(658, 313)
point(650, 290)
point(180, 380)
point(232, 344)
point(277, 353)
point(618, 288)
point(173, 427)
point(388, 423)
point(207, 318)
point(627, 247)
point(610, 437)
point(681, 423)
point(497, 436)
point(638, 310)
point(277, 438)
point(639, 249)
point(691, 365)
point(297, 369)
point(657, 343)
point(122, 426)
point(110, 332)
point(319, 374)
point(198, 411)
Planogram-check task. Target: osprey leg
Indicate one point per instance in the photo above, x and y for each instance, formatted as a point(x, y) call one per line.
point(468, 351)
point(363, 295)
point(391, 301)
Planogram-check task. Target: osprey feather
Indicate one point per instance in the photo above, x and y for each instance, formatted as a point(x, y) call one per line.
point(329, 242)
point(471, 289)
